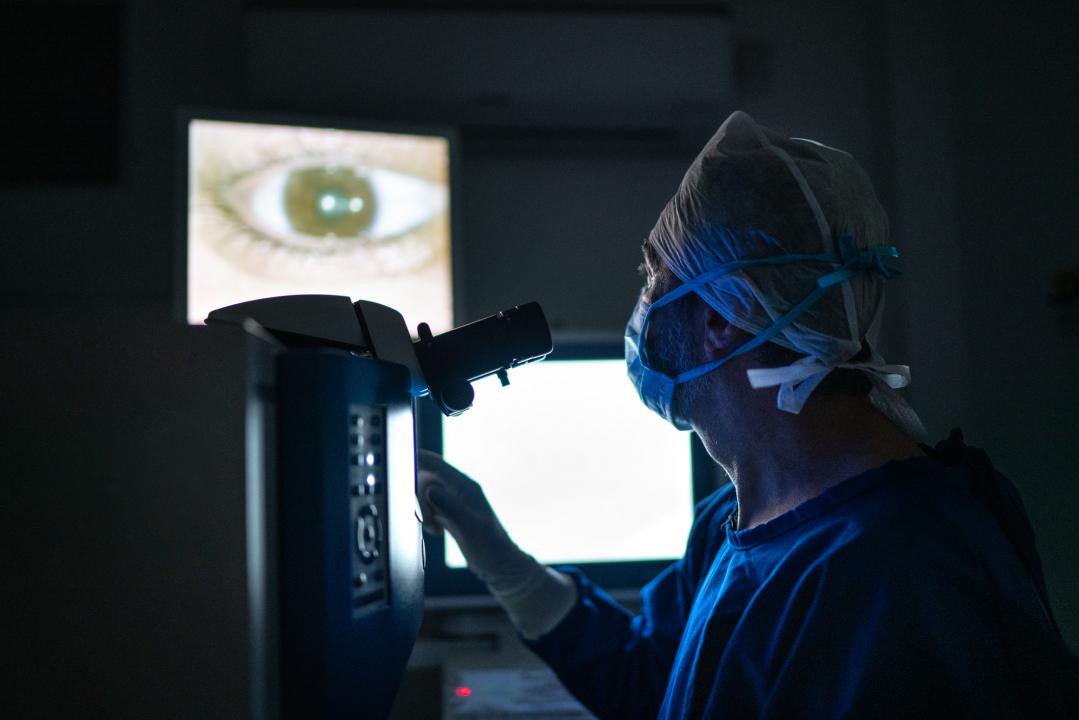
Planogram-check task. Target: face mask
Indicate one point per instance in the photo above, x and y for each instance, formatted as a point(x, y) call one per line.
point(656, 389)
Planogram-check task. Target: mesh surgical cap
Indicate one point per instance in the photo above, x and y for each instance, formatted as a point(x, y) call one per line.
point(752, 193)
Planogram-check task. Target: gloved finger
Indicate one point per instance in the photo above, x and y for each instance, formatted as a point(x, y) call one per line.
point(431, 520)
point(457, 504)
point(444, 508)
point(424, 480)
point(434, 463)
point(432, 529)
point(450, 510)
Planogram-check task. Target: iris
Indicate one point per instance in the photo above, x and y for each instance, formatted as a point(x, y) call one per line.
point(324, 201)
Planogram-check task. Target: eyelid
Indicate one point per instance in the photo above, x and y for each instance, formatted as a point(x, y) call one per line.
point(254, 196)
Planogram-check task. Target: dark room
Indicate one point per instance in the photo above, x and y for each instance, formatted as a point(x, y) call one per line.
point(545, 359)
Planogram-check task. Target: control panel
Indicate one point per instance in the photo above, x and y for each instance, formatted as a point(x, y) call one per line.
point(367, 508)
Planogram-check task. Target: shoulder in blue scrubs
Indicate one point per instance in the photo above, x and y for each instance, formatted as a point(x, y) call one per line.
point(914, 588)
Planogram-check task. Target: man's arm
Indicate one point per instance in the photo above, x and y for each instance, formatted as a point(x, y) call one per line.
point(615, 663)
point(916, 634)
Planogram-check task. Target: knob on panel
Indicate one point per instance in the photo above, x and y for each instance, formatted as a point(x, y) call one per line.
point(368, 533)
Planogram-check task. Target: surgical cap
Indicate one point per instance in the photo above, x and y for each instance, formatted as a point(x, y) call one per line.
point(752, 193)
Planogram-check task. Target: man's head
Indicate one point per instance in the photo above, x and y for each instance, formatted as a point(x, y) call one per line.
point(757, 222)
point(678, 339)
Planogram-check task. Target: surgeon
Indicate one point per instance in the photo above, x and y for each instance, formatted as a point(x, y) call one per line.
point(848, 569)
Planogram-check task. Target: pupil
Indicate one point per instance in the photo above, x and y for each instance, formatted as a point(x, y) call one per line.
point(324, 201)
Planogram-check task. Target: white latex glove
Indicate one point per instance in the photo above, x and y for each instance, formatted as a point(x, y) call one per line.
point(536, 597)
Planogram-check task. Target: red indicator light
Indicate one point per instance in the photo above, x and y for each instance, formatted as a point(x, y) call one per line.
point(462, 692)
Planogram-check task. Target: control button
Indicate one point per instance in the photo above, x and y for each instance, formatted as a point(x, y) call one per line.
point(367, 533)
point(376, 420)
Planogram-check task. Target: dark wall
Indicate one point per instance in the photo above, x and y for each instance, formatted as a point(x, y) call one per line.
point(963, 113)
point(73, 238)
point(1017, 184)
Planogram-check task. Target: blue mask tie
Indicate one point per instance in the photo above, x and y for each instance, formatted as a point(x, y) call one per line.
point(656, 389)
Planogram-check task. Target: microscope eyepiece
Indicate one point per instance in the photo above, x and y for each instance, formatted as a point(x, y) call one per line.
point(491, 346)
point(445, 364)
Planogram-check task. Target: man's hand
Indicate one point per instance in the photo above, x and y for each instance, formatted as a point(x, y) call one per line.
point(451, 500)
point(536, 597)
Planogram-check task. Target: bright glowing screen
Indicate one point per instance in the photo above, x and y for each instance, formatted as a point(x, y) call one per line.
point(576, 467)
point(282, 210)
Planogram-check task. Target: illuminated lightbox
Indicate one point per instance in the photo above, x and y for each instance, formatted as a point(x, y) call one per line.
point(575, 466)
point(285, 209)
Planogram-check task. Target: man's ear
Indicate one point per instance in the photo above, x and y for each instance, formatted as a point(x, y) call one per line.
point(720, 336)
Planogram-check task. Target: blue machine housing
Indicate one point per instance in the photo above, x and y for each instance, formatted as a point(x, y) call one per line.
point(350, 566)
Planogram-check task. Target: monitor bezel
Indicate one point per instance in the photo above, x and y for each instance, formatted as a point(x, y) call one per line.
point(458, 587)
point(184, 117)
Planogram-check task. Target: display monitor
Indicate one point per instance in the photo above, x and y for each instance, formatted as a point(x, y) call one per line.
point(577, 469)
point(326, 207)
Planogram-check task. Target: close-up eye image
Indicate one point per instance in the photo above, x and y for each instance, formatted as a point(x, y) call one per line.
point(289, 209)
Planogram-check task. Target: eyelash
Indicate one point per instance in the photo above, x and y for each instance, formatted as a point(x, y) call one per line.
point(237, 227)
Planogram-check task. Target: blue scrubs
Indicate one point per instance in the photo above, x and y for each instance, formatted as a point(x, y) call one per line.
point(911, 589)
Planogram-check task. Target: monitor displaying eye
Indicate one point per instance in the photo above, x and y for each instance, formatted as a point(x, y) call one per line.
point(282, 209)
point(326, 207)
